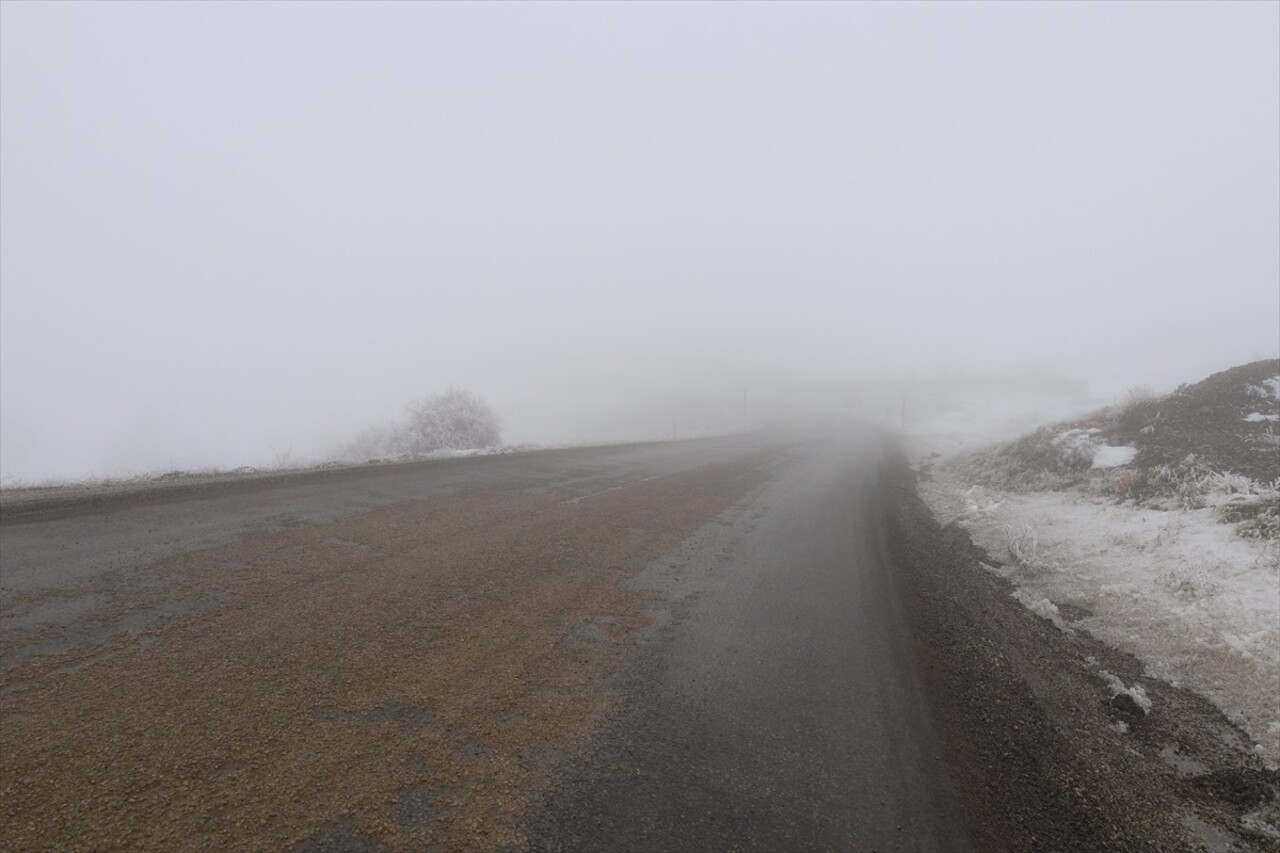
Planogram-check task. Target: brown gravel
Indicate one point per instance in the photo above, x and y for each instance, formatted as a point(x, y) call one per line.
point(406, 677)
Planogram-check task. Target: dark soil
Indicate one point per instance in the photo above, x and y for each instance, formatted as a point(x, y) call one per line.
point(1035, 755)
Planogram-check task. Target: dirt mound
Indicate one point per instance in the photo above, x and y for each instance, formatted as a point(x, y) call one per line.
point(1227, 424)
point(1215, 443)
point(1230, 421)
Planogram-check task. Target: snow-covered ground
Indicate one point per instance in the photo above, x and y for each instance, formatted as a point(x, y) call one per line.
point(1199, 605)
point(1178, 588)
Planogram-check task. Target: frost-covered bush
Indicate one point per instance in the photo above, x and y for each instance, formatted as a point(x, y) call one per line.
point(1191, 484)
point(454, 420)
point(1076, 448)
point(1035, 462)
point(1256, 518)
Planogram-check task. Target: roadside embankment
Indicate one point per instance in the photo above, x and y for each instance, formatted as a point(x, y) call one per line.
point(1053, 739)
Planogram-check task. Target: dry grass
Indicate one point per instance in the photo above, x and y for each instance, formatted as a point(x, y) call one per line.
point(1196, 448)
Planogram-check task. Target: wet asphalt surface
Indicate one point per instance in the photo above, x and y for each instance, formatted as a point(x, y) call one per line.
point(777, 708)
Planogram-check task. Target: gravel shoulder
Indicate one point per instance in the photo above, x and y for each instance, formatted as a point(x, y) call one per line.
point(64, 499)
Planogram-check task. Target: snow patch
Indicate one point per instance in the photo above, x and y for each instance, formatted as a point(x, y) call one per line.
point(1041, 606)
point(1137, 692)
point(1270, 388)
point(1113, 457)
point(1077, 447)
point(978, 502)
point(1258, 417)
point(1080, 448)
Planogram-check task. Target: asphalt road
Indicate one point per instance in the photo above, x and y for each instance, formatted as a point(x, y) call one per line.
point(688, 645)
point(778, 710)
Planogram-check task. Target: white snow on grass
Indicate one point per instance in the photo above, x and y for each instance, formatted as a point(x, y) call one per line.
point(1080, 446)
point(1199, 605)
point(1270, 388)
point(1108, 456)
point(1259, 417)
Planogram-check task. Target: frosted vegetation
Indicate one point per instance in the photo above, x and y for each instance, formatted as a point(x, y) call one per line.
point(456, 420)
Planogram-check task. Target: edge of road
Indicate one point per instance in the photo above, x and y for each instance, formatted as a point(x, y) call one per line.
point(66, 498)
point(1039, 755)
point(27, 503)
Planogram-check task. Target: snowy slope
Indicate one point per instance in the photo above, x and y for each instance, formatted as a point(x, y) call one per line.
point(1199, 605)
point(1152, 526)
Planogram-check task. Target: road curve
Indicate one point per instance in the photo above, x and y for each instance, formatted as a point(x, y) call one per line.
point(667, 646)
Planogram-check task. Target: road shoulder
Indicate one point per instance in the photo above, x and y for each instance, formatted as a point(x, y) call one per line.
point(1042, 755)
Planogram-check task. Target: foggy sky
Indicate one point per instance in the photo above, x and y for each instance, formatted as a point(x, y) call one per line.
point(232, 230)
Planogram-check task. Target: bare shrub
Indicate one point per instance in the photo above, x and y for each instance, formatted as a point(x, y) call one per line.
point(1022, 543)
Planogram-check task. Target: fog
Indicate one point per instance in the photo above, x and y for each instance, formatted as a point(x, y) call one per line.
point(231, 233)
